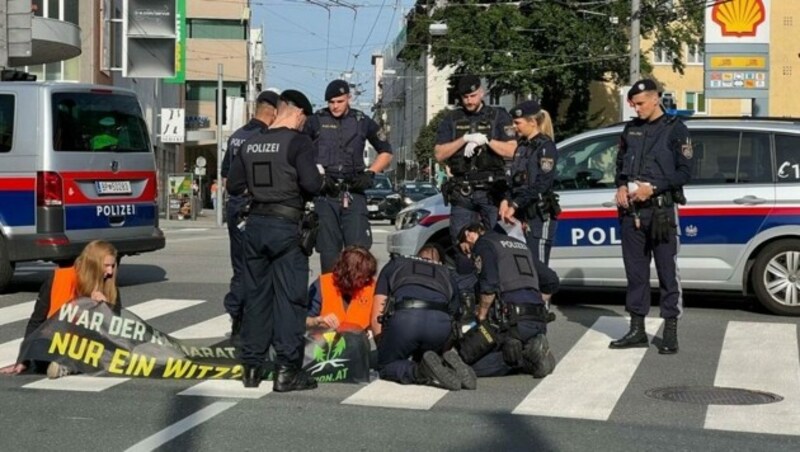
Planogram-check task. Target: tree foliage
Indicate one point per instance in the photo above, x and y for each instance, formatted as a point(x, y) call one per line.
point(426, 140)
point(550, 49)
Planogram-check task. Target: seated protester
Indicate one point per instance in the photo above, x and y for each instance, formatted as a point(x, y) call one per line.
point(92, 275)
point(342, 299)
point(416, 305)
point(509, 287)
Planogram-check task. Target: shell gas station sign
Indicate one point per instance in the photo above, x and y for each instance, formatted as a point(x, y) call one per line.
point(737, 34)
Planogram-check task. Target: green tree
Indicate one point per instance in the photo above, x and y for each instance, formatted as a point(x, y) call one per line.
point(423, 147)
point(551, 49)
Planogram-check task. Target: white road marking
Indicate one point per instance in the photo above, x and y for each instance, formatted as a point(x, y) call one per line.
point(233, 389)
point(9, 351)
point(387, 394)
point(215, 327)
point(590, 379)
point(17, 312)
point(173, 431)
point(162, 306)
point(761, 357)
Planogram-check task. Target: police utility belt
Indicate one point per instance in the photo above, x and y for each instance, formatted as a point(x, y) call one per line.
point(664, 200)
point(465, 184)
point(525, 311)
point(419, 304)
point(276, 210)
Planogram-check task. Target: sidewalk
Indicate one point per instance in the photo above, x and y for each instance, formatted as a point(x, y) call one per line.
point(206, 219)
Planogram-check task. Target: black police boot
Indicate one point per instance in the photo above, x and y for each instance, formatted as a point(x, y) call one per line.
point(252, 375)
point(464, 372)
point(292, 378)
point(636, 336)
point(537, 359)
point(669, 341)
point(431, 371)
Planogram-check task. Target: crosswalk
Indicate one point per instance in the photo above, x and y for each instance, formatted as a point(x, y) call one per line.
point(590, 382)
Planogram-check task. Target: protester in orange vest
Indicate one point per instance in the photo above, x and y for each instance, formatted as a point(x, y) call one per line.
point(92, 275)
point(342, 299)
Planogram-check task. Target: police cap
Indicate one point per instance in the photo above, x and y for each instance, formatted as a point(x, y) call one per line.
point(336, 88)
point(527, 108)
point(468, 84)
point(268, 97)
point(642, 86)
point(297, 99)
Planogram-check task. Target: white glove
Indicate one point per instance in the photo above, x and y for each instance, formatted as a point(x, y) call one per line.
point(469, 150)
point(477, 138)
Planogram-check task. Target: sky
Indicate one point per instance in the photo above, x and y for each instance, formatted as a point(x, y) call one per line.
point(309, 44)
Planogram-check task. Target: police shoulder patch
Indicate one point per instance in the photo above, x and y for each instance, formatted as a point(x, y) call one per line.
point(687, 150)
point(509, 131)
point(546, 163)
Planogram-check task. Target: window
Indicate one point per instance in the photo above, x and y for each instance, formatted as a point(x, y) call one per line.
point(588, 164)
point(6, 122)
point(662, 55)
point(66, 10)
point(787, 158)
point(207, 91)
point(730, 157)
point(694, 55)
point(216, 29)
point(696, 102)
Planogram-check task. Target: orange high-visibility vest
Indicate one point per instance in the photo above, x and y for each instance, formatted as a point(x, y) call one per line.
point(63, 290)
point(359, 311)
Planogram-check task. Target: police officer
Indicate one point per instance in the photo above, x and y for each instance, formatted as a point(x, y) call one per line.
point(276, 167)
point(340, 133)
point(533, 171)
point(511, 334)
point(416, 304)
point(654, 162)
point(266, 108)
point(473, 141)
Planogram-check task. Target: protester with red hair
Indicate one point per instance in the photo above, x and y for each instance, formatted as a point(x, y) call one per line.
point(342, 299)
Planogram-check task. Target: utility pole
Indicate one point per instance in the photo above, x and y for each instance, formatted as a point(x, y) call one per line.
point(635, 41)
point(220, 156)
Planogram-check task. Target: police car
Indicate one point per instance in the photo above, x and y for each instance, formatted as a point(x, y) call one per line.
point(740, 230)
point(76, 165)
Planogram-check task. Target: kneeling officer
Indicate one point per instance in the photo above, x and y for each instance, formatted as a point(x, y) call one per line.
point(276, 168)
point(512, 337)
point(416, 304)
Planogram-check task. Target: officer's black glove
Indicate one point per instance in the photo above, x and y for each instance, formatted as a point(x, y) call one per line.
point(663, 227)
point(362, 181)
point(512, 352)
point(329, 186)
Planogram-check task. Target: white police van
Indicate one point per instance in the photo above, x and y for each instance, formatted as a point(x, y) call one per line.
point(76, 165)
point(740, 230)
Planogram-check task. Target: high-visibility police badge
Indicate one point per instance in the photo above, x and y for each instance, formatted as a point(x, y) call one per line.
point(509, 130)
point(687, 149)
point(546, 164)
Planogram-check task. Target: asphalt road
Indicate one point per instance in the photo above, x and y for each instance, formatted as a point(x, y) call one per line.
point(596, 399)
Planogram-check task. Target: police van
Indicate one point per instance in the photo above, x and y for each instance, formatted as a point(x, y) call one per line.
point(739, 231)
point(76, 165)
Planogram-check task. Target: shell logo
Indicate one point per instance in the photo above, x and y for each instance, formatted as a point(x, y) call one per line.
point(739, 17)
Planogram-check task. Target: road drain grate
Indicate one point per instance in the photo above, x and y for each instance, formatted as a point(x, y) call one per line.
point(710, 395)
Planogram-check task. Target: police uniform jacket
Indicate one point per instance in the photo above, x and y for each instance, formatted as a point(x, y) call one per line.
point(505, 267)
point(340, 141)
point(493, 122)
point(533, 169)
point(276, 166)
point(235, 142)
point(411, 277)
point(658, 152)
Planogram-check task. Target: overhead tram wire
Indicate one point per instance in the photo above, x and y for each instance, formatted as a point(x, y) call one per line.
point(369, 35)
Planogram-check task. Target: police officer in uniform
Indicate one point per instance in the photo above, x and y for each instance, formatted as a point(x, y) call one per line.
point(340, 133)
point(511, 334)
point(414, 314)
point(654, 162)
point(533, 171)
point(473, 141)
point(266, 108)
point(276, 167)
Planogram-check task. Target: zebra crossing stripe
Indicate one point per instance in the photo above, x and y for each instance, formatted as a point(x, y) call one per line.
point(215, 327)
point(152, 442)
point(590, 379)
point(162, 306)
point(387, 394)
point(15, 313)
point(233, 389)
point(9, 351)
point(762, 357)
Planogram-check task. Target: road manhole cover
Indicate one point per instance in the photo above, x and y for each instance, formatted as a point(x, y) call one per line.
point(710, 395)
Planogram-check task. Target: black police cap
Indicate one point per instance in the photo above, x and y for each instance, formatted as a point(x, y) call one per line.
point(298, 99)
point(527, 108)
point(468, 84)
point(642, 86)
point(268, 97)
point(336, 88)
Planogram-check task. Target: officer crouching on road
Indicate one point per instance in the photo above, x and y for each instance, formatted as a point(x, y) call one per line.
point(414, 314)
point(654, 162)
point(473, 141)
point(340, 133)
point(276, 168)
point(533, 171)
point(511, 334)
point(266, 109)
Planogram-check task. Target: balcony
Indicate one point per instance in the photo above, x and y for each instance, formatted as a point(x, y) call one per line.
point(53, 40)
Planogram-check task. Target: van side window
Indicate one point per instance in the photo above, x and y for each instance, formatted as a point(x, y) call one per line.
point(787, 158)
point(588, 164)
point(730, 157)
point(98, 122)
point(6, 122)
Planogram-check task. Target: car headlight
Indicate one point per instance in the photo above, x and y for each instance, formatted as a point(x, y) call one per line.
point(408, 201)
point(393, 196)
point(412, 218)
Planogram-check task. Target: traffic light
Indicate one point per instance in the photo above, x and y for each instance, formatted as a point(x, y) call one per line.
point(149, 38)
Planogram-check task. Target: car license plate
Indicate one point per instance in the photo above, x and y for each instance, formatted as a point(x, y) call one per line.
point(114, 187)
point(372, 208)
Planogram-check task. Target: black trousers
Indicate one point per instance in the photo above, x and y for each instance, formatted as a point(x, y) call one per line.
point(340, 227)
point(408, 334)
point(233, 300)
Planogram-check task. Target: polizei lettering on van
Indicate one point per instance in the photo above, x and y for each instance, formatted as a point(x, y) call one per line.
point(116, 210)
point(594, 236)
point(263, 148)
